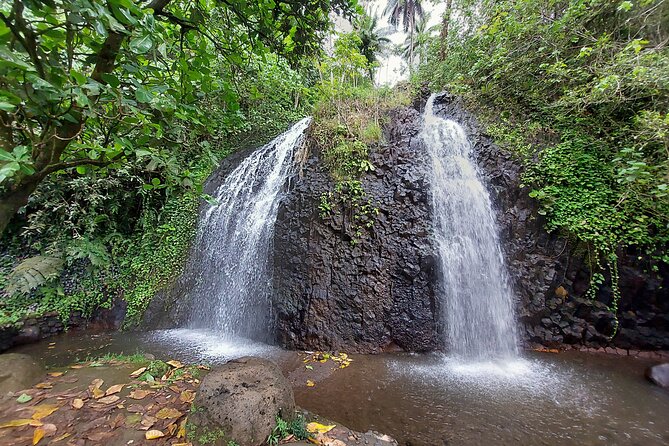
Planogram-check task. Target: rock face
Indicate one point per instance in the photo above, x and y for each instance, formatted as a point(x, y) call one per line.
point(370, 292)
point(659, 375)
point(18, 372)
point(551, 274)
point(240, 400)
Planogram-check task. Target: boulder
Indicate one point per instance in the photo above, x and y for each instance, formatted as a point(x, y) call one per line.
point(18, 372)
point(659, 374)
point(240, 401)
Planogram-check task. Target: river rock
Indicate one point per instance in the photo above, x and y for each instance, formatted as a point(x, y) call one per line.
point(240, 401)
point(18, 372)
point(659, 374)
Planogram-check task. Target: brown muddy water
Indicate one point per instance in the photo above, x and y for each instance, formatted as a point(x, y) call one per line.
point(431, 400)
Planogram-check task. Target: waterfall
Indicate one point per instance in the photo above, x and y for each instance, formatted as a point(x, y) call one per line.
point(230, 262)
point(478, 301)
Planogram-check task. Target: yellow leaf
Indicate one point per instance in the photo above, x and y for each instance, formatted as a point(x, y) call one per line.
point(44, 386)
point(153, 434)
point(38, 435)
point(97, 393)
point(77, 366)
point(168, 412)
point(187, 396)
point(138, 394)
point(56, 374)
point(174, 363)
point(109, 399)
point(77, 403)
point(310, 383)
point(43, 410)
point(138, 372)
point(181, 433)
point(62, 437)
point(314, 428)
point(16, 423)
point(114, 389)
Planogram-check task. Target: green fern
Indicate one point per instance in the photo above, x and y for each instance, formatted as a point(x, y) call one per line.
point(33, 272)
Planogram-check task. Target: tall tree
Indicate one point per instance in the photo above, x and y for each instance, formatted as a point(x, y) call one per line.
point(405, 12)
point(372, 40)
point(445, 21)
point(420, 41)
point(89, 85)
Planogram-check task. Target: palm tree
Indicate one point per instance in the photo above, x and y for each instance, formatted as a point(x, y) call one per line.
point(373, 40)
point(420, 42)
point(406, 12)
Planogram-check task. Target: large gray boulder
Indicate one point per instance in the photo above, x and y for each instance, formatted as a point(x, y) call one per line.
point(240, 401)
point(659, 375)
point(18, 372)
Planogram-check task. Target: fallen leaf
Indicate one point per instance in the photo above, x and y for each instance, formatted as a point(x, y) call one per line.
point(55, 374)
point(49, 429)
point(203, 367)
point(314, 427)
point(97, 393)
point(187, 396)
point(43, 410)
point(175, 364)
point(136, 408)
point(138, 372)
point(97, 383)
point(168, 412)
point(310, 383)
point(77, 366)
point(132, 419)
point(139, 394)
point(114, 389)
point(181, 433)
point(44, 386)
point(62, 437)
point(152, 435)
point(38, 435)
point(24, 398)
point(171, 429)
point(36, 423)
point(118, 421)
point(309, 367)
point(109, 399)
point(16, 423)
point(77, 403)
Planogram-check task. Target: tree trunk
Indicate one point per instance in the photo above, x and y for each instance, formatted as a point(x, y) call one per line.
point(444, 30)
point(13, 200)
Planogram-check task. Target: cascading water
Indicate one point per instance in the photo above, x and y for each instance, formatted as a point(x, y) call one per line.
point(230, 260)
point(478, 302)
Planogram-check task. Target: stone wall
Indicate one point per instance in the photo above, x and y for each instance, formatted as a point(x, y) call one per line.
point(375, 292)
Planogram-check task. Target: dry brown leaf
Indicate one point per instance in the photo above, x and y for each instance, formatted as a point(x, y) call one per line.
point(44, 386)
point(77, 366)
point(181, 433)
point(97, 383)
point(139, 394)
point(138, 372)
point(152, 435)
point(16, 423)
point(49, 429)
point(187, 396)
point(114, 389)
point(118, 421)
point(109, 399)
point(310, 383)
point(174, 363)
point(38, 434)
point(77, 403)
point(168, 412)
point(148, 421)
point(171, 428)
point(136, 408)
point(43, 410)
point(55, 374)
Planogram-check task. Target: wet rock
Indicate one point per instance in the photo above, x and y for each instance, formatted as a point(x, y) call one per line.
point(241, 400)
point(659, 375)
point(18, 372)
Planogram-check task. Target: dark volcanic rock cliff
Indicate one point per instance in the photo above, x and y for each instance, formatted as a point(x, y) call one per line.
point(333, 291)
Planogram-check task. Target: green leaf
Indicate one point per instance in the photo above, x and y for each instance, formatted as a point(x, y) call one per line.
point(6, 156)
point(24, 398)
point(5, 106)
point(141, 45)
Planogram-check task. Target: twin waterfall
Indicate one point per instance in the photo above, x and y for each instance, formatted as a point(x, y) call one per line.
point(478, 302)
point(231, 257)
point(231, 270)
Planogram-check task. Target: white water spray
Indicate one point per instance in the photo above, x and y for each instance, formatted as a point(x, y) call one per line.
point(230, 262)
point(478, 302)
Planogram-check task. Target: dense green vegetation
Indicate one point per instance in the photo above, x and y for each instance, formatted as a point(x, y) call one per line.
point(113, 115)
point(580, 91)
